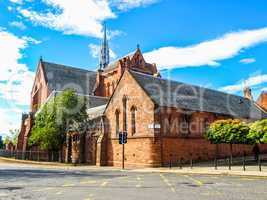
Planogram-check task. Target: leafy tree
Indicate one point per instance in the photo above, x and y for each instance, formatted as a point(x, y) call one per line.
point(228, 132)
point(52, 121)
point(258, 132)
point(7, 140)
point(14, 136)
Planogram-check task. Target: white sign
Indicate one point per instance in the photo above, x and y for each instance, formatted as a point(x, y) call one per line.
point(157, 126)
point(152, 126)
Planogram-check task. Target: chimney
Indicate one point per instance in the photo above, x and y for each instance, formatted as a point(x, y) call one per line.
point(248, 93)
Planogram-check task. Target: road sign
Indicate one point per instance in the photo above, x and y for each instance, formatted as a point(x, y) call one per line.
point(123, 137)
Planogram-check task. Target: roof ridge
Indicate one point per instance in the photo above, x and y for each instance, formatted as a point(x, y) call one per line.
point(68, 66)
point(188, 84)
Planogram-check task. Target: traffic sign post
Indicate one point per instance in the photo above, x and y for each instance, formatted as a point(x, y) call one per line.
point(123, 141)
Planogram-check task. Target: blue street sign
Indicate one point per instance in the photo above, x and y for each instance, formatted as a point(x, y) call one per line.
point(123, 137)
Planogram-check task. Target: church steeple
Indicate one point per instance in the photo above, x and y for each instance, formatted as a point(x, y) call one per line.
point(104, 51)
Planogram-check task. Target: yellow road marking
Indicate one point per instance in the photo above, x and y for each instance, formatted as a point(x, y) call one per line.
point(68, 185)
point(213, 193)
point(198, 182)
point(104, 184)
point(59, 193)
point(87, 182)
point(165, 180)
point(43, 189)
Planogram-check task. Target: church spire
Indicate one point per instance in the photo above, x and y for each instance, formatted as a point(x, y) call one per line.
point(104, 51)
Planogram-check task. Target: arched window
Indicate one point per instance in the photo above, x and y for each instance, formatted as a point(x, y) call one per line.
point(124, 103)
point(117, 116)
point(108, 89)
point(113, 86)
point(133, 119)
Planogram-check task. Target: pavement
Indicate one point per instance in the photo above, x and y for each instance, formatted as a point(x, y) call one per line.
point(201, 169)
point(41, 182)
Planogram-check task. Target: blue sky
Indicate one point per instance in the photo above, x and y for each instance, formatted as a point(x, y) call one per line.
point(216, 44)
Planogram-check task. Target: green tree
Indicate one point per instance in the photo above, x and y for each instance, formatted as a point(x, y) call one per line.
point(52, 121)
point(229, 132)
point(14, 136)
point(258, 132)
point(7, 140)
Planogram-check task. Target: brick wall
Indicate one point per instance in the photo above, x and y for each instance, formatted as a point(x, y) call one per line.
point(140, 150)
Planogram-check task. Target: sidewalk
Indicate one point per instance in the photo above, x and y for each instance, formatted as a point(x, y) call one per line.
point(235, 171)
point(200, 169)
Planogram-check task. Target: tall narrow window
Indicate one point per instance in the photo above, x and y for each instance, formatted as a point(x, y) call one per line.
point(117, 116)
point(108, 89)
point(124, 102)
point(133, 120)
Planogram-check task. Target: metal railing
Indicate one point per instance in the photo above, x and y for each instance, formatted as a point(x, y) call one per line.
point(45, 156)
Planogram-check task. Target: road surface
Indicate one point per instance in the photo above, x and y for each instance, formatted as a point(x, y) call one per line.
point(43, 183)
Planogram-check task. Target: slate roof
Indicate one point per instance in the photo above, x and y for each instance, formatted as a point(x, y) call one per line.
point(189, 97)
point(96, 112)
point(91, 100)
point(96, 101)
point(61, 77)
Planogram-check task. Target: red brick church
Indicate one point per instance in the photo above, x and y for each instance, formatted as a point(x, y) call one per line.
point(165, 120)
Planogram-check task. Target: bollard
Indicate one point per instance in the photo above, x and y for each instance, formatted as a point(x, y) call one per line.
point(170, 163)
point(244, 161)
point(259, 163)
point(216, 163)
point(230, 164)
point(180, 163)
point(191, 162)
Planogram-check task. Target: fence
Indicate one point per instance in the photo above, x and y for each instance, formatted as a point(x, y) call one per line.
point(244, 161)
point(45, 156)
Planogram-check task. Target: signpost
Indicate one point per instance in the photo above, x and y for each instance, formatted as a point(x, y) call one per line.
point(123, 141)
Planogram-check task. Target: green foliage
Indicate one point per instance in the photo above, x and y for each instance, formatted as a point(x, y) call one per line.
point(7, 140)
point(258, 132)
point(228, 131)
point(52, 122)
point(14, 136)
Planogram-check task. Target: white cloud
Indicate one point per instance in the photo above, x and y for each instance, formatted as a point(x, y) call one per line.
point(247, 61)
point(15, 79)
point(252, 81)
point(18, 25)
point(16, 1)
point(206, 53)
point(31, 40)
point(9, 8)
point(125, 5)
point(264, 89)
point(81, 17)
point(8, 121)
point(95, 49)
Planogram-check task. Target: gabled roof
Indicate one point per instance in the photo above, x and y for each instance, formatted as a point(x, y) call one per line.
point(96, 112)
point(184, 96)
point(114, 64)
point(60, 77)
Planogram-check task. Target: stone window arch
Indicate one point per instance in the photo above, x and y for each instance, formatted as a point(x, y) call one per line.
point(133, 119)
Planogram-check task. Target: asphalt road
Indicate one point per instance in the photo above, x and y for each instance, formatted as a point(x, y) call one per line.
point(39, 183)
